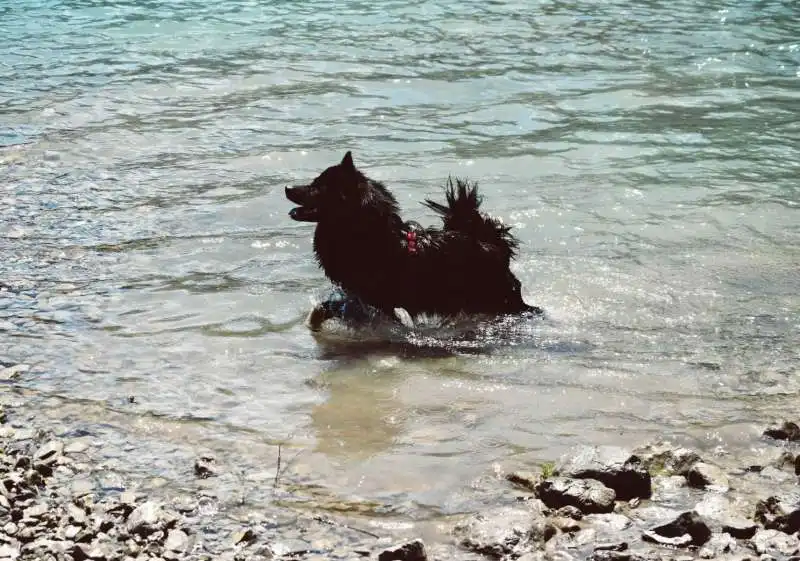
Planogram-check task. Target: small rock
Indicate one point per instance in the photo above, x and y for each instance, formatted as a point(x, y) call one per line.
point(688, 529)
point(10, 529)
point(71, 531)
point(787, 431)
point(13, 372)
point(75, 447)
point(702, 475)
point(588, 495)
point(177, 540)
point(246, 537)
point(525, 479)
point(503, 531)
point(615, 468)
point(143, 520)
point(774, 541)
point(49, 452)
point(205, 466)
point(663, 458)
point(780, 513)
point(8, 552)
point(411, 551)
point(569, 511)
point(718, 546)
point(81, 487)
point(76, 514)
point(722, 516)
point(35, 511)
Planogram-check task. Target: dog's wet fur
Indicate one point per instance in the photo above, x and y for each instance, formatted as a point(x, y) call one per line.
point(399, 268)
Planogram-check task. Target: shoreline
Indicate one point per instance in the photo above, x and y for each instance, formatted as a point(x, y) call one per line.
point(660, 502)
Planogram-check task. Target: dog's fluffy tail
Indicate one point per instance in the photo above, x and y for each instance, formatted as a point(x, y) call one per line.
point(462, 214)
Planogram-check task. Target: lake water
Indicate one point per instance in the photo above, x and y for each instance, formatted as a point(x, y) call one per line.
point(646, 153)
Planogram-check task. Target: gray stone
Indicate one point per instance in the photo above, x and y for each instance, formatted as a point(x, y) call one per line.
point(76, 514)
point(702, 475)
point(8, 552)
point(668, 460)
point(588, 495)
point(503, 531)
point(13, 372)
point(144, 519)
point(49, 452)
point(35, 511)
point(774, 541)
point(721, 516)
point(177, 540)
point(614, 467)
point(81, 487)
point(411, 551)
point(718, 546)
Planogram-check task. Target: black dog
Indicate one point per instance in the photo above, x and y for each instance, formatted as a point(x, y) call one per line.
point(400, 268)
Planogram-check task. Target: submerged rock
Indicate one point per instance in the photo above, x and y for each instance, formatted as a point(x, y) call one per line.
point(787, 431)
point(205, 466)
point(615, 468)
point(588, 495)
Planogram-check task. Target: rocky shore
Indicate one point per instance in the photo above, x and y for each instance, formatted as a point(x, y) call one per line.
point(603, 504)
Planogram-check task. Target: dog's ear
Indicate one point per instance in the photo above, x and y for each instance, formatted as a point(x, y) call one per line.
point(347, 161)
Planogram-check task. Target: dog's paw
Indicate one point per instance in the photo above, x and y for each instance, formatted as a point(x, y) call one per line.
point(317, 317)
point(403, 317)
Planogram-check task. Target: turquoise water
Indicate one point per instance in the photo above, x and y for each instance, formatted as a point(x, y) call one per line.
point(646, 153)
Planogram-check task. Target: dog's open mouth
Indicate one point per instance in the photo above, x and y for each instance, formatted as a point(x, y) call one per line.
point(306, 212)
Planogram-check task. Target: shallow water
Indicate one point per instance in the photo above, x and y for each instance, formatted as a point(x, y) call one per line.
point(647, 155)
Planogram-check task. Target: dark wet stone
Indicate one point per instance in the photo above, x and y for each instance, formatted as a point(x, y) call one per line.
point(617, 546)
point(780, 513)
point(775, 541)
point(688, 529)
point(588, 495)
point(503, 531)
point(205, 466)
point(787, 431)
point(615, 468)
point(702, 475)
point(411, 551)
point(797, 465)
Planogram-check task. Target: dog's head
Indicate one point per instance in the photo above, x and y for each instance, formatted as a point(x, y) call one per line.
point(336, 191)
